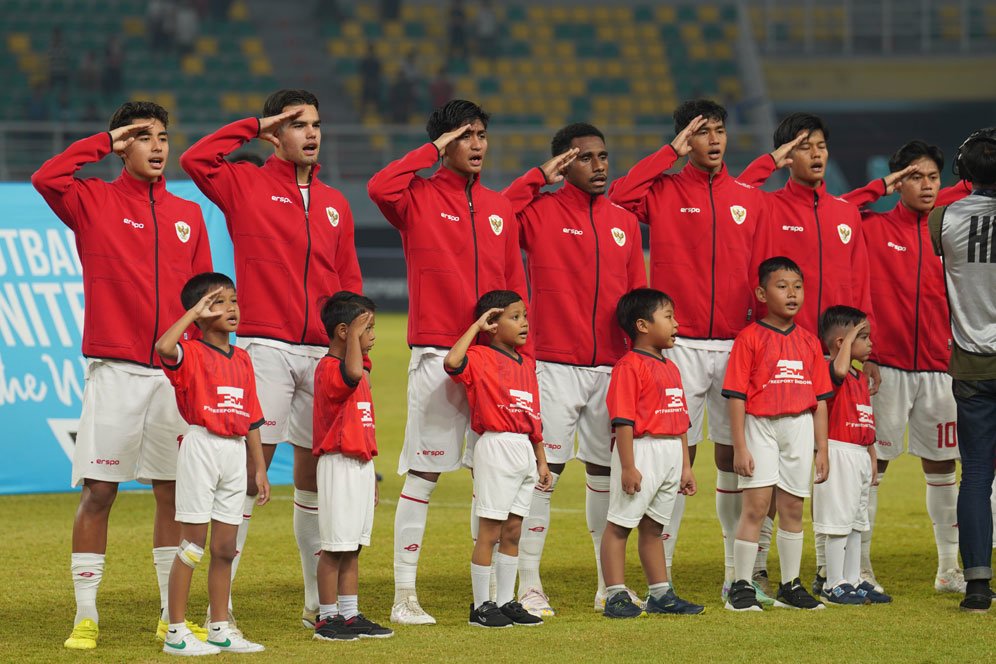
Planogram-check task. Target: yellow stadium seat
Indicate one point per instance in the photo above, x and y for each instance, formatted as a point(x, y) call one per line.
point(230, 102)
point(252, 46)
point(708, 13)
point(260, 66)
point(238, 11)
point(192, 65)
point(665, 14)
point(206, 45)
point(18, 43)
point(133, 26)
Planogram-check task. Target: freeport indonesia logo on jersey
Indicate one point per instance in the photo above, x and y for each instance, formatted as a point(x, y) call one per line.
point(739, 213)
point(182, 231)
point(866, 418)
point(619, 235)
point(230, 397)
point(844, 231)
point(366, 413)
point(522, 402)
point(675, 401)
point(333, 216)
point(497, 223)
point(789, 371)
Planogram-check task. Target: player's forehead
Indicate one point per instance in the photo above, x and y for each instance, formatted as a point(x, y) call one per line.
point(713, 123)
point(156, 129)
point(814, 137)
point(516, 307)
point(588, 144)
point(664, 309)
point(308, 115)
point(926, 165)
point(784, 276)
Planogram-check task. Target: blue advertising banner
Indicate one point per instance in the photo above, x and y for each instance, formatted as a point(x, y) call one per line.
point(41, 328)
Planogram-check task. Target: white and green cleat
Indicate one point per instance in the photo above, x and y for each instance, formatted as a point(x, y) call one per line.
point(226, 639)
point(188, 645)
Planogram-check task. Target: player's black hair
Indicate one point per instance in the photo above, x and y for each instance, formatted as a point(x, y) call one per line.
point(688, 110)
point(496, 299)
point(344, 307)
point(771, 265)
point(281, 99)
point(562, 139)
point(836, 318)
point(201, 284)
point(976, 160)
point(790, 127)
point(130, 111)
point(639, 303)
point(913, 151)
point(453, 115)
point(245, 155)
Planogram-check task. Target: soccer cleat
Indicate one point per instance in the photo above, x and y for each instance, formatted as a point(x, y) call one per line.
point(742, 597)
point(844, 594)
point(633, 597)
point(762, 597)
point(793, 596)
point(762, 583)
point(819, 584)
point(488, 615)
point(519, 616)
point(950, 581)
point(868, 575)
point(334, 629)
point(368, 629)
point(189, 645)
point(536, 603)
point(309, 617)
point(195, 629)
point(409, 612)
point(671, 604)
point(226, 640)
point(621, 605)
point(83, 636)
point(867, 590)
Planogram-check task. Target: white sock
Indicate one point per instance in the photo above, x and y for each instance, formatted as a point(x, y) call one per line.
point(534, 530)
point(326, 611)
point(87, 570)
point(349, 606)
point(942, 508)
point(835, 554)
point(216, 629)
point(866, 536)
point(820, 539)
point(852, 558)
point(409, 527)
point(743, 559)
point(480, 581)
point(658, 590)
point(309, 543)
point(176, 631)
point(671, 531)
point(764, 544)
point(729, 499)
point(596, 511)
point(162, 559)
point(505, 571)
point(248, 505)
point(789, 554)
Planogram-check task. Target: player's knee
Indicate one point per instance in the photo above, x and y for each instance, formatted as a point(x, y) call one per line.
point(223, 549)
point(511, 531)
point(98, 497)
point(190, 554)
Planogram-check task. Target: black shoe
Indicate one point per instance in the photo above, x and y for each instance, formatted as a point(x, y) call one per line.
point(368, 629)
point(620, 605)
point(742, 597)
point(334, 629)
point(671, 604)
point(819, 583)
point(977, 602)
point(793, 596)
point(519, 616)
point(488, 615)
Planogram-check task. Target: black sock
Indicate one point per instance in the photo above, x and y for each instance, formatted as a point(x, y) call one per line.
point(977, 587)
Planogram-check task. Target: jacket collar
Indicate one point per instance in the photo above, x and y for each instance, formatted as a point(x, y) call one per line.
point(578, 197)
point(136, 188)
point(696, 174)
point(905, 215)
point(286, 170)
point(453, 180)
point(804, 194)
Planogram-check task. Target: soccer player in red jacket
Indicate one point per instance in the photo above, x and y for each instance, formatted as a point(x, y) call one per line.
point(138, 244)
point(461, 240)
point(293, 242)
point(583, 253)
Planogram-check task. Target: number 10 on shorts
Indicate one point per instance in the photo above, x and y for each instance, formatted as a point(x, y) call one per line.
point(947, 435)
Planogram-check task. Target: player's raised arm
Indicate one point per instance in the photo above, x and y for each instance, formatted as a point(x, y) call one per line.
point(488, 322)
point(526, 188)
point(759, 170)
point(166, 345)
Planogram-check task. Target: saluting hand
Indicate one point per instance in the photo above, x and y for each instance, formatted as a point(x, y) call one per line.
point(680, 143)
point(488, 322)
point(782, 152)
point(449, 137)
point(122, 137)
point(554, 169)
point(268, 126)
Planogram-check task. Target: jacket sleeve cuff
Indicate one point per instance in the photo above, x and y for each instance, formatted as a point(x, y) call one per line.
point(459, 369)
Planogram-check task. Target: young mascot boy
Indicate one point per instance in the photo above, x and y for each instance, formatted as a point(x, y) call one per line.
point(775, 381)
point(650, 463)
point(840, 504)
point(345, 445)
point(216, 394)
point(505, 412)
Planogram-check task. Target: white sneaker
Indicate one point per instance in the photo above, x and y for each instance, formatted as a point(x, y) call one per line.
point(600, 600)
point(309, 617)
point(950, 581)
point(408, 612)
point(868, 575)
point(537, 603)
point(227, 640)
point(189, 646)
point(232, 625)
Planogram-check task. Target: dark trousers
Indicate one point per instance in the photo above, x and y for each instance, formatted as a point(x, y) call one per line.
point(977, 444)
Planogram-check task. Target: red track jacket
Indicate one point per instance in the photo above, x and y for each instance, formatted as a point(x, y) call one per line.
point(138, 244)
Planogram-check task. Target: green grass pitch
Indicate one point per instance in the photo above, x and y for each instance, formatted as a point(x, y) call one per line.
point(37, 607)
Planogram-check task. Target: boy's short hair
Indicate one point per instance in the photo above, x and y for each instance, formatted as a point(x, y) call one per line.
point(913, 151)
point(201, 284)
point(496, 299)
point(453, 115)
point(281, 99)
point(344, 307)
point(130, 111)
point(562, 139)
point(771, 265)
point(639, 303)
point(790, 127)
point(836, 318)
point(976, 160)
point(688, 110)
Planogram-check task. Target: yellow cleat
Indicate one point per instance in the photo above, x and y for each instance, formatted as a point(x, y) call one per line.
point(194, 628)
point(84, 636)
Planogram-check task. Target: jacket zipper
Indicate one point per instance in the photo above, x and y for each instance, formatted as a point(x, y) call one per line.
point(473, 232)
point(155, 231)
point(916, 301)
point(594, 308)
point(712, 272)
point(307, 256)
point(819, 240)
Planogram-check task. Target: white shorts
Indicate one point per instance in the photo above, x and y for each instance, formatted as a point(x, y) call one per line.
point(840, 504)
point(210, 478)
point(659, 461)
point(923, 400)
point(285, 386)
point(504, 475)
point(129, 425)
point(346, 490)
point(702, 374)
point(438, 415)
point(782, 448)
point(573, 402)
